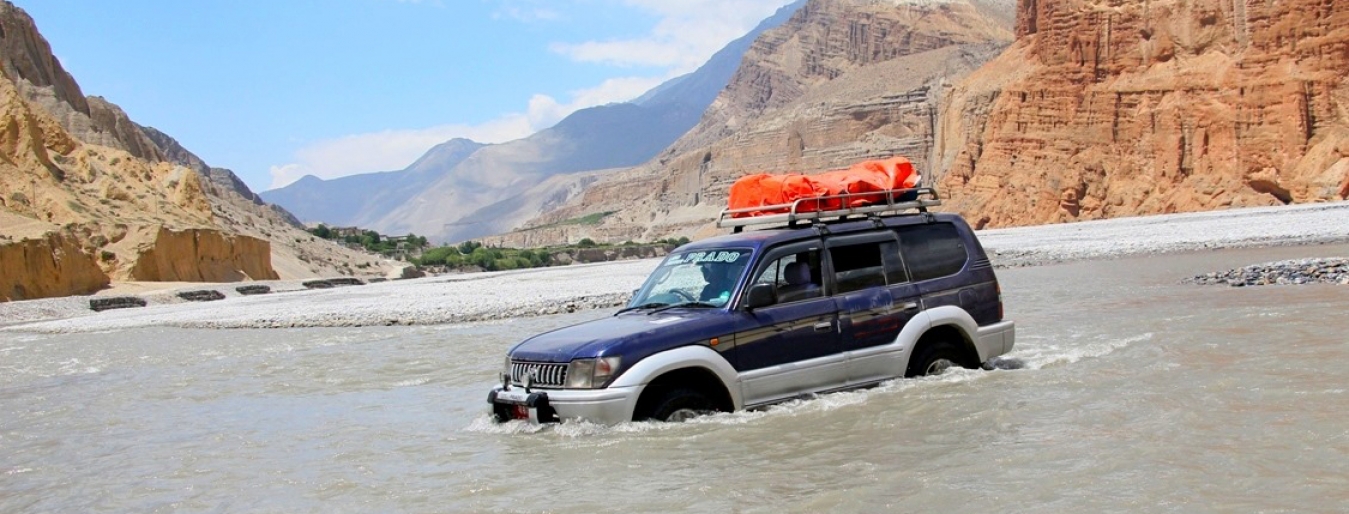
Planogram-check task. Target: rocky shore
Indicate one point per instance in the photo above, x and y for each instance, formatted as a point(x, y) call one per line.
point(512, 294)
point(1291, 272)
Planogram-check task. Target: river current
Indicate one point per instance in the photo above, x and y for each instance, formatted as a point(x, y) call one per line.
point(1127, 391)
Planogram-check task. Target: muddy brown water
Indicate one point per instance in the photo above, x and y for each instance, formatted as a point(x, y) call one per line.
point(1127, 392)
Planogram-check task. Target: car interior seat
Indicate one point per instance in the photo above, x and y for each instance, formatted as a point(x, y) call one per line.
point(799, 286)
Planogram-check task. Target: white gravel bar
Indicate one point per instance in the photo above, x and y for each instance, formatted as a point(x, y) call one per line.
point(502, 295)
point(1316, 223)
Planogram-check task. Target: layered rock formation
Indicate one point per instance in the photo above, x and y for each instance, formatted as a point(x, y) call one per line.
point(1117, 108)
point(27, 60)
point(1100, 109)
point(842, 81)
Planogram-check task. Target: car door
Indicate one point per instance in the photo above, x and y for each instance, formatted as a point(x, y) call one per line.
point(789, 348)
point(875, 299)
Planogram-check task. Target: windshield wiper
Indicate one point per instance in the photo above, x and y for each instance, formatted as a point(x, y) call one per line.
point(648, 305)
point(702, 305)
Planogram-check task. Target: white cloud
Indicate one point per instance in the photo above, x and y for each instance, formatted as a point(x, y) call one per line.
point(545, 111)
point(396, 149)
point(688, 33)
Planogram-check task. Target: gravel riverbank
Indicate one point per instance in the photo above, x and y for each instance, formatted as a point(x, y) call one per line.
point(1290, 272)
point(512, 294)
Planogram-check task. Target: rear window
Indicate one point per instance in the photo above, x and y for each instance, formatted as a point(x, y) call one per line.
point(857, 266)
point(932, 250)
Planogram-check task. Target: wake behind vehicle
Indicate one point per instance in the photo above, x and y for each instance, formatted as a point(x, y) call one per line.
point(825, 300)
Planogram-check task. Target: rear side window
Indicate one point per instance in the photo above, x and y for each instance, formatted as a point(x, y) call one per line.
point(932, 250)
point(858, 266)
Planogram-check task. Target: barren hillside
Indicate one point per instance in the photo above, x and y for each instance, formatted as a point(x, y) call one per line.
point(89, 196)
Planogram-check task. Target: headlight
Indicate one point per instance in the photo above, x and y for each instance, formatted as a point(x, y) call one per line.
point(591, 373)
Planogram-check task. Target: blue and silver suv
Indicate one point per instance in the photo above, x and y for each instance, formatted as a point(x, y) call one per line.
point(826, 302)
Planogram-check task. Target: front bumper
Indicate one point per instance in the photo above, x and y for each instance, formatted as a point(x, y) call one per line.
point(608, 406)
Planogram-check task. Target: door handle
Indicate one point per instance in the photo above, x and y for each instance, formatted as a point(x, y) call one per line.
point(909, 306)
point(823, 326)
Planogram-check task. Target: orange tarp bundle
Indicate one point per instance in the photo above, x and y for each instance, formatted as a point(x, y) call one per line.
point(763, 189)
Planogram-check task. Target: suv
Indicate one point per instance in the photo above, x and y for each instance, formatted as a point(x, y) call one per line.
point(759, 317)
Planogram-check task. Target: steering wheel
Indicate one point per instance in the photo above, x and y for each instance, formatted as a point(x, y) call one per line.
point(682, 294)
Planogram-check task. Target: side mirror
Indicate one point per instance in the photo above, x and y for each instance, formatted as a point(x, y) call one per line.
point(760, 295)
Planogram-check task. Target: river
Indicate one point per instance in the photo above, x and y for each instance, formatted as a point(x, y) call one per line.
point(1128, 391)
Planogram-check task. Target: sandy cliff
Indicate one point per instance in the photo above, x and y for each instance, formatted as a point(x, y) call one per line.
point(38, 260)
point(1116, 108)
point(199, 255)
point(117, 200)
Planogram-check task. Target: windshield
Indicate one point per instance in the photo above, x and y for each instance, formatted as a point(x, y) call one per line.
point(704, 278)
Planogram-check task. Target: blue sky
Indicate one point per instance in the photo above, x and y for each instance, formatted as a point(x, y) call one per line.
point(277, 89)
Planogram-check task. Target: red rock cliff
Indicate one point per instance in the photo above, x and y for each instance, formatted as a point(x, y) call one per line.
point(1117, 108)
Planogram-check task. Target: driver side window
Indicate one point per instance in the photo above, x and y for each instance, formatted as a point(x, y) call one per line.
point(794, 277)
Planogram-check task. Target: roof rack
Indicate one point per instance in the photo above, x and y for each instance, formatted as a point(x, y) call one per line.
point(895, 201)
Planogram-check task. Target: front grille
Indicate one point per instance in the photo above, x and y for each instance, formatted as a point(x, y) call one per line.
point(546, 374)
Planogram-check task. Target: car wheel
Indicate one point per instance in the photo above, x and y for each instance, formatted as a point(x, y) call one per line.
point(933, 359)
point(677, 405)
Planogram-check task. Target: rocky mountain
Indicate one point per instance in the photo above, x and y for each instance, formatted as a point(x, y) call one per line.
point(1099, 109)
point(1107, 109)
point(88, 196)
point(498, 187)
point(841, 81)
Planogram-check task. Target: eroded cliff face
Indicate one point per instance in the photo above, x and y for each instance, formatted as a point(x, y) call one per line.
point(201, 255)
point(1116, 108)
point(121, 193)
point(842, 81)
point(49, 265)
point(27, 61)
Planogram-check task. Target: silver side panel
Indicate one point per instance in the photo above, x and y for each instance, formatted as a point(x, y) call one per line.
point(785, 381)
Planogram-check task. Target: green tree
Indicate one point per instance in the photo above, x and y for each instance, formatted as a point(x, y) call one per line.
point(322, 231)
point(586, 243)
point(438, 256)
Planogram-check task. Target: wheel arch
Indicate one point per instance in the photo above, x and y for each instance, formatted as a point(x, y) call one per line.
point(953, 324)
point(695, 366)
point(698, 379)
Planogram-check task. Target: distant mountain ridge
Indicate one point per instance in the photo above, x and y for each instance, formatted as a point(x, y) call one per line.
point(359, 200)
point(495, 177)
